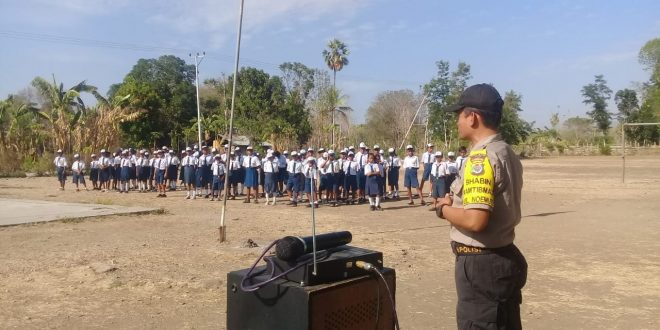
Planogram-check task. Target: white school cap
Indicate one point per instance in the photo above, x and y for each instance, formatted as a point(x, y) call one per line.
point(325, 155)
point(376, 146)
point(451, 154)
point(249, 148)
point(269, 154)
point(302, 151)
point(438, 153)
point(350, 153)
point(311, 159)
point(237, 149)
point(351, 148)
point(214, 149)
point(390, 150)
point(59, 150)
point(226, 146)
point(362, 145)
point(286, 152)
point(146, 153)
point(164, 148)
point(430, 145)
point(76, 156)
point(195, 147)
point(102, 151)
point(381, 151)
point(310, 149)
point(321, 149)
point(183, 152)
point(293, 153)
point(232, 153)
point(409, 147)
point(93, 155)
point(188, 149)
point(331, 152)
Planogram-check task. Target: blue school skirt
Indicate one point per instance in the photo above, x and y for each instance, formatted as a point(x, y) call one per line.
point(218, 182)
point(171, 172)
point(132, 173)
point(410, 178)
point(269, 182)
point(234, 177)
point(308, 185)
point(94, 174)
point(251, 178)
point(199, 176)
point(361, 178)
point(372, 187)
point(160, 176)
point(350, 183)
point(282, 175)
point(105, 174)
point(125, 173)
point(182, 173)
point(188, 174)
point(439, 187)
point(393, 176)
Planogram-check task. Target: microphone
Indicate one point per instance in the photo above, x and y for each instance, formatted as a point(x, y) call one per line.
point(291, 248)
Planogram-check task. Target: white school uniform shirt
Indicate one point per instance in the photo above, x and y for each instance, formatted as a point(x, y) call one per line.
point(428, 158)
point(78, 166)
point(371, 168)
point(234, 164)
point(174, 160)
point(118, 160)
point(411, 162)
point(310, 171)
point(218, 168)
point(351, 167)
point(394, 161)
point(460, 160)
point(270, 166)
point(223, 157)
point(383, 167)
point(125, 162)
point(251, 161)
point(161, 163)
point(133, 160)
point(361, 159)
point(439, 169)
point(333, 167)
point(95, 164)
point(323, 165)
point(60, 161)
point(452, 168)
point(294, 167)
point(202, 160)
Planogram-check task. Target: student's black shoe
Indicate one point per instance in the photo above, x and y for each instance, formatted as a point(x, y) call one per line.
point(373, 208)
point(379, 208)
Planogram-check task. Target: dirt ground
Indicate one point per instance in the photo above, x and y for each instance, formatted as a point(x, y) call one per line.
point(591, 243)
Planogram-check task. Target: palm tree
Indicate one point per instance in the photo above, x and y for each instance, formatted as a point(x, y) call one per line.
point(102, 123)
point(336, 57)
point(62, 109)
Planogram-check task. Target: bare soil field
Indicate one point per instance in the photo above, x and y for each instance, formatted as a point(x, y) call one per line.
point(591, 243)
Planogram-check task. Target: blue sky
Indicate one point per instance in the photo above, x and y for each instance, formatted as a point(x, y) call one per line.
point(544, 50)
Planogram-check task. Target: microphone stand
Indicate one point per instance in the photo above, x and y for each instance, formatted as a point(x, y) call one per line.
point(312, 200)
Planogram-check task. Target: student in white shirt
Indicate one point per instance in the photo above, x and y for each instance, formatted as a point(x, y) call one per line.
point(410, 166)
point(351, 168)
point(218, 171)
point(189, 164)
point(94, 167)
point(295, 178)
point(372, 186)
point(78, 170)
point(105, 168)
point(460, 160)
point(124, 172)
point(427, 160)
point(161, 174)
point(234, 170)
point(270, 169)
point(438, 179)
point(393, 166)
point(361, 158)
point(452, 169)
point(282, 174)
point(172, 170)
point(60, 167)
point(251, 163)
point(311, 178)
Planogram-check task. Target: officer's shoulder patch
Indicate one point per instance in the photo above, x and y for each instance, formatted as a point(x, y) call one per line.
point(479, 180)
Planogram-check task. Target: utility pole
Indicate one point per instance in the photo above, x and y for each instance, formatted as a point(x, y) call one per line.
point(198, 60)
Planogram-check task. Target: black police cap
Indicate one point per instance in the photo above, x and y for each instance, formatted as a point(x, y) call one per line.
point(481, 96)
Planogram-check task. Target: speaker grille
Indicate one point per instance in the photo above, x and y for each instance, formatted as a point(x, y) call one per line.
point(354, 315)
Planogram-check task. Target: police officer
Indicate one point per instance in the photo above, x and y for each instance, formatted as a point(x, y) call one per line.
point(483, 212)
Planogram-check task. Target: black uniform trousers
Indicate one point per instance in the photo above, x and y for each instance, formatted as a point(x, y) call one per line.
point(488, 285)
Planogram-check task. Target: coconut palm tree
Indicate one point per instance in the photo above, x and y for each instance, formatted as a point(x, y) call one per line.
point(62, 108)
point(336, 57)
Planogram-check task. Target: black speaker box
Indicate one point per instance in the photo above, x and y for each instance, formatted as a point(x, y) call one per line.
point(356, 303)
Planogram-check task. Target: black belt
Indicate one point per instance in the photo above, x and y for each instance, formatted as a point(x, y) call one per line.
point(461, 249)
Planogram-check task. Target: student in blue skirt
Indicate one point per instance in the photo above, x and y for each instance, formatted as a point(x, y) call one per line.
point(218, 171)
point(251, 164)
point(410, 167)
point(372, 183)
point(60, 168)
point(124, 171)
point(189, 163)
point(438, 180)
point(172, 170)
point(394, 165)
point(161, 174)
point(311, 178)
point(270, 170)
point(294, 170)
point(78, 171)
point(94, 172)
point(351, 168)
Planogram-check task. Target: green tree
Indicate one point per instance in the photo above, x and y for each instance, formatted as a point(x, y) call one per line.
point(164, 88)
point(443, 91)
point(649, 57)
point(597, 94)
point(578, 130)
point(389, 116)
point(62, 109)
point(514, 130)
point(627, 103)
